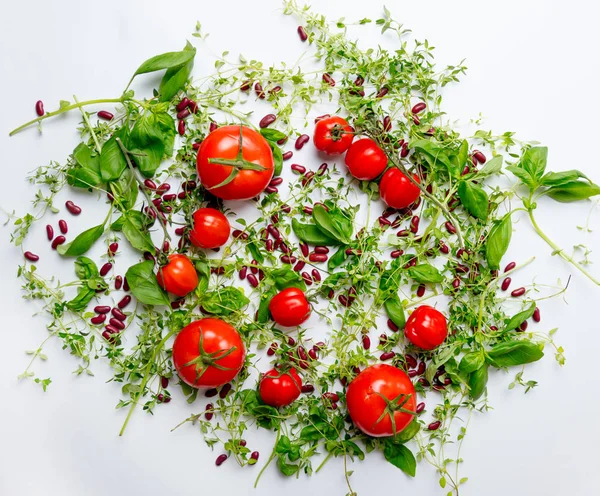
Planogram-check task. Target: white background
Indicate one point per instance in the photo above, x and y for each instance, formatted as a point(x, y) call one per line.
point(533, 69)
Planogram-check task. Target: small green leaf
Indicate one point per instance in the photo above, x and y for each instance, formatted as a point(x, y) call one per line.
point(574, 191)
point(519, 318)
point(474, 199)
point(277, 159)
point(311, 234)
point(165, 61)
point(287, 278)
point(478, 381)
point(82, 243)
point(471, 362)
point(263, 315)
point(492, 166)
point(329, 224)
point(144, 286)
point(498, 241)
point(176, 77)
point(224, 301)
point(425, 273)
point(395, 311)
point(85, 268)
point(400, 456)
point(133, 230)
point(272, 135)
point(560, 178)
point(81, 301)
point(85, 172)
point(513, 353)
point(112, 160)
point(338, 258)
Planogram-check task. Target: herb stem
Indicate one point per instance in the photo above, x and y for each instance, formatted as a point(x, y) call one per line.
point(89, 126)
point(271, 457)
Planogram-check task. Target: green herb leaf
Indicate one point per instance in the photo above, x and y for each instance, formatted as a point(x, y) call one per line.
point(519, 318)
point(474, 199)
point(560, 178)
point(333, 223)
point(81, 301)
point(263, 315)
point(82, 243)
point(498, 241)
point(425, 273)
point(531, 167)
point(272, 135)
point(133, 229)
point(575, 191)
point(311, 234)
point(165, 61)
point(277, 159)
point(112, 160)
point(85, 172)
point(435, 155)
point(513, 353)
point(85, 268)
point(125, 190)
point(406, 434)
point(395, 311)
point(400, 456)
point(478, 381)
point(337, 259)
point(144, 286)
point(176, 77)
point(287, 278)
point(224, 301)
point(471, 362)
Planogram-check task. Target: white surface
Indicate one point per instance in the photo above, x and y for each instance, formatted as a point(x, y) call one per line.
point(531, 66)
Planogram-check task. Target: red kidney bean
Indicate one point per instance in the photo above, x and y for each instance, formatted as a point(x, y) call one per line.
point(419, 107)
point(272, 349)
point(157, 202)
point(273, 231)
point(183, 114)
point(317, 257)
point(125, 284)
point(163, 188)
point(98, 319)
point(307, 388)
point(461, 269)
point(434, 426)
point(299, 266)
point(316, 275)
point(444, 248)
point(275, 218)
point(416, 120)
point(382, 339)
point(383, 221)
point(321, 117)
point(72, 208)
point(148, 256)
point(288, 259)
point(209, 393)
point(312, 353)
point(112, 248)
point(164, 382)
point(63, 226)
point(450, 228)
point(412, 373)
point(302, 33)
point(212, 127)
point(344, 300)
point(107, 335)
point(49, 232)
point(208, 415)
point(271, 189)
point(150, 184)
point(536, 315)
point(282, 141)
point(518, 292)
point(510, 266)
point(366, 342)
point(269, 245)
point(411, 361)
point(39, 108)
point(124, 301)
point(169, 197)
point(392, 326)
point(321, 249)
point(116, 323)
point(330, 396)
point(301, 141)
point(414, 224)
point(185, 101)
point(303, 364)
point(388, 355)
point(111, 329)
point(224, 391)
point(283, 247)
point(181, 128)
point(404, 151)
point(267, 120)
point(193, 106)
point(276, 181)
point(328, 79)
point(243, 272)
point(258, 89)
point(387, 124)
point(523, 326)
point(253, 267)
point(300, 169)
point(421, 368)
point(322, 169)
point(291, 341)
point(506, 283)
point(479, 156)
point(307, 210)
point(102, 309)
point(105, 269)
point(32, 257)
point(287, 155)
point(220, 460)
point(396, 253)
point(118, 314)
point(382, 92)
point(302, 353)
point(421, 290)
point(246, 85)
point(59, 240)
point(456, 283)
point(252, 280)
point(359, 81)
point(307, 278)
point(403, 233)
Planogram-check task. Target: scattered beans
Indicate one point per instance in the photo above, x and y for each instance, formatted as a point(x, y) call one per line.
point(287, 155)
point(117, 324)
point(185, 101)
point(479, 156)
point(252, 280)
point(258, 89)
point(393, 327)
point(267, 120)
point(506, 283)
point(366, 342)
point(421, 290)
point(450, 227)
point(208, 413)
point(388, 355)
point(301, 141)
point(317, 257)
point(518, 292)
point(420, 407)
point(118, 314)
point(49, 232)
point(39, 108)
point(308, 388)
point(32, 257)
point(382, 92)
point(72, 208)
point(316, 275)
point(220, 460)
point(105, 269)
point(181, 128)
point(536, 315)
point(63, 226)
point(510, 266)
point(411, 361)
point(396, 253)
point(419, 107)
point(59, 240)
point(307, 279)
point(328, 79)
point(124, 301)
point(299, 266)
point(98, 319)
point(302, 33)
point(434, 426)
point(183, 114)
point(300, 169)
point(150, 184)
point(102, 309)
point(224, 391)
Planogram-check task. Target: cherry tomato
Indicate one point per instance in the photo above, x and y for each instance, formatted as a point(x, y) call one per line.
point(367, 406)
point(210, 228)
point(280, 388)
point(179, 276)
point(426, 327)
point(289, 307)
point(208, 353)
point(251, 163)
point(365, 160)
point(333, 135)
point(397, 190)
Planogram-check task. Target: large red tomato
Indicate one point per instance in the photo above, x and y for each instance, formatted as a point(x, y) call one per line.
point(280, 388)
point(178, 276)
point(210, 228)
point(365, 160)
point(333, 135)
point(397, 190)
point(208, 353)
point(426, 327)
point(239, 155)
point(289, 307)
point(378, 394)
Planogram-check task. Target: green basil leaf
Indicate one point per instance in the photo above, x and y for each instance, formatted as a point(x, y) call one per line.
point(285, 468)
point(474, 199)
point(334, 225)
point(225, 301)
point(435, 155)
point(165, 61)
point(272, 135)
point(81, 301)
point(425, 273)
point(471, 362)
point(406, 434)
point(570, 192)
point(254, 250)
point(332, 281)
point(534, 162)
point(175, 77)
point(85, 172)
point(389, 281)
point(144, 286)
point(492, 166)
point(166, 124)
point(263, 315)
point(287, 278)
point(478, 381)
point(338, 258)
point(82, 243)
point(125, 189)
point(560, 178)
point(400, 456)
point(524, 176)
point(148, 159)
point(519, 318)
point(133, 229)
point(112, 160)
point(498, 241)
point(395, 311)
point(277, 159)
point(514, 353)
point(309, 233)
point(86, 268)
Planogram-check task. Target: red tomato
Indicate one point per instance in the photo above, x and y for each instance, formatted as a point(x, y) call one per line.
point(279, 388)
point(179, 276)
point(289, 307)
point(333, 135)
point(366, 406)
point(365, 160)
point(223, 145)
point(426, 327)
point(208, 353)
point(397, 190)
point(210, 228)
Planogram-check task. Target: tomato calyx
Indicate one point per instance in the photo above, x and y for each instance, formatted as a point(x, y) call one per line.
point(206, 360)
point(337, 132)
point(393, 406)
point(238, 163)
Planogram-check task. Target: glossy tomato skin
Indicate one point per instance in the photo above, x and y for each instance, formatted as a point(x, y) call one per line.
point(178, 276)
point(218, 337)
point(365, 406)
point(290, 307)
point(333, 135)
point(223, 143)
point(397, 190)
point(426, 327)
point(365, 160)
point(278, 388)
point(210, 228)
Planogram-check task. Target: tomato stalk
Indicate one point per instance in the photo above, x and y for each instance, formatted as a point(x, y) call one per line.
point(206, 360)
point(393, 406)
